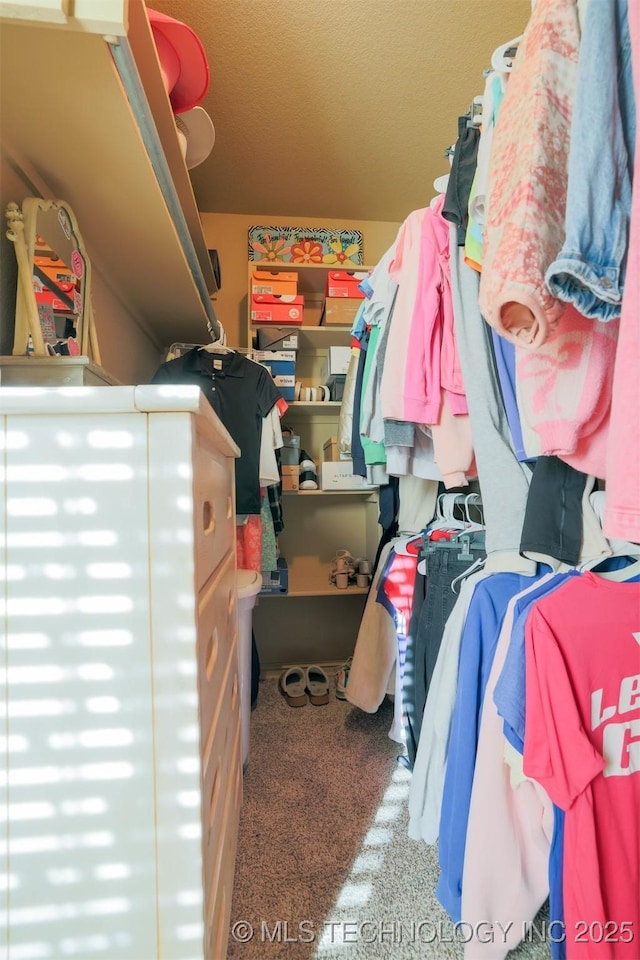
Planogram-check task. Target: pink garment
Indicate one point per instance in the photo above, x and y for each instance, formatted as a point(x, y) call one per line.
point(432, 361)
point(622, 512)
point(376, 648)
point(590, 455)
point(564, 388)
point(453, 446)
point(404, 270)
point(582, 743)
point(527, 186)
point(505, 877)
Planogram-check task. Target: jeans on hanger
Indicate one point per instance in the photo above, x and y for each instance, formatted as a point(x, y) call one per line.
point(433, 602)
point(463, 168)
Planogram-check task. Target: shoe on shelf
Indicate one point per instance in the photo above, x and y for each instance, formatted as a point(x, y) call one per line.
point(343, 562)
point(308, 472)
point(292, 686)
point(317, 685)
point(342, 678)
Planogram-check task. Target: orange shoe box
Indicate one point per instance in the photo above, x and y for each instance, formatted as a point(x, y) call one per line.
point(286, 310)
point(274, 282)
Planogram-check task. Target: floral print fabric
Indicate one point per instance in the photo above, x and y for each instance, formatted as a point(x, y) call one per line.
point(527, 186)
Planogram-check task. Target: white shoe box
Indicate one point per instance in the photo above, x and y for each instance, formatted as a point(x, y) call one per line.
point(339, 475)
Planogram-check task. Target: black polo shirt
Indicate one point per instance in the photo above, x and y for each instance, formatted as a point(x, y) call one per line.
point(241, 392)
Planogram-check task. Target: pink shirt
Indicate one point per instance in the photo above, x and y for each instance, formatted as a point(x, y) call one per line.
point(432, 362)
point(622, 514)
point(404, 270)
point(582, 744)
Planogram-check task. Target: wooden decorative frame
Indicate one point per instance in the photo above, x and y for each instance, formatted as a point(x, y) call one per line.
point(55, 222)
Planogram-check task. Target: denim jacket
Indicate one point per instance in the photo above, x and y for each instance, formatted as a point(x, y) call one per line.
point(589, 270)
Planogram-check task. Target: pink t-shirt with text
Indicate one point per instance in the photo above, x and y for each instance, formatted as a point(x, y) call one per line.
point(582, 744)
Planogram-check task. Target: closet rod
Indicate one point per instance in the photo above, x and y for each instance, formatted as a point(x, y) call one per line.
point(128, 71)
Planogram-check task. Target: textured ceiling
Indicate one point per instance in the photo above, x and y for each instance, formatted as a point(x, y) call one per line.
point(339, 109)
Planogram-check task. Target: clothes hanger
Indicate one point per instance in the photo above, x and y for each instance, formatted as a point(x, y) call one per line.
point(219, 345)
point(473, 499)
point(503, 56)
point(480, 562)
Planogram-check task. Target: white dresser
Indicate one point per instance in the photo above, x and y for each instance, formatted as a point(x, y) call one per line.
point(120, 677)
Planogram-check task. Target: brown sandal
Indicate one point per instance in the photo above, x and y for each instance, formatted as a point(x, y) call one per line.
point(292, 686)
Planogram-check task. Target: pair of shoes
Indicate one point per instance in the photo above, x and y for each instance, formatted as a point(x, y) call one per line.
point(299, 684)
point(343, 562)
point(342, 678)
point(308, 472)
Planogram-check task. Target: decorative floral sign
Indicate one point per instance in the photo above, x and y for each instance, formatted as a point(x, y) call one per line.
point(342, 248)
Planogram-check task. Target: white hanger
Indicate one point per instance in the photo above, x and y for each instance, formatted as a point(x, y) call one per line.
point(220, 345)
point(475, 500)
point(498, 61)
point(480, 562)
point(449, 502)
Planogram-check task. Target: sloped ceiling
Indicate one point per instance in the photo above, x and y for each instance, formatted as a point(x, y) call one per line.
point(338, 109)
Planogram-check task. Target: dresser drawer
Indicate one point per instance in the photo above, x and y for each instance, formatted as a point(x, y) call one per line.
point(213, 511)
point(218, 760)
point(216, 638)
point(219, 882)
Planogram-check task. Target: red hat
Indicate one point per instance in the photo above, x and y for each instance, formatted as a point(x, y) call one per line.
point(184, 65)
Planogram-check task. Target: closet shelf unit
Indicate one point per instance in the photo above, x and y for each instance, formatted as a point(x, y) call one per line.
point(317, 523)
point(139, 222)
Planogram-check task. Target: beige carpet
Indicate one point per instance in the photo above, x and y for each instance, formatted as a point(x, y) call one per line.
point(325, 867)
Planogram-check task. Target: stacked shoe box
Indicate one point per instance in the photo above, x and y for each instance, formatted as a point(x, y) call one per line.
point(275, 299)
point(290, 460)
point(342, 297)
point(282, 367)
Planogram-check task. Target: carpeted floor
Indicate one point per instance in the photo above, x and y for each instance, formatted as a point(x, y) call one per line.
point(325, 867)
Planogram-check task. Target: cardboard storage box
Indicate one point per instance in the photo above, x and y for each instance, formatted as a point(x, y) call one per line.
point(280, 310)
point(339, 311)
point(290, 477)
point(344, 283)
point(277, 338)
point(275, 282)
point(338, 360)
point(330, 450)
point(276, 581)
point(338, 475)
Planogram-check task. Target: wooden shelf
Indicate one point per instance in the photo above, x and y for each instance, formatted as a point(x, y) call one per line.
point(309, 577)
point(331, 493)
point(53, 372)
point(317, 590)
point(99, 163)
point(315, 406)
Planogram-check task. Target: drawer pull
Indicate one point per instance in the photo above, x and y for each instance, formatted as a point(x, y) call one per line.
point(231, 604)
point(215, 790)
point(208, 517)
point(229, 508)
point(234, 691)
point(213, 649)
